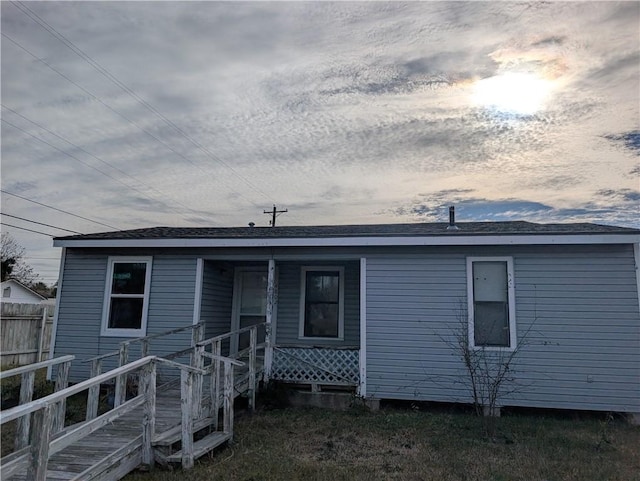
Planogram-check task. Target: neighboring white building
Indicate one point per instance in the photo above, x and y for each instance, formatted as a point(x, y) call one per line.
point(17, 293)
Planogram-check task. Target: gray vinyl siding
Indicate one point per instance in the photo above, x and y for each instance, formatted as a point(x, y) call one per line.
point(171, 299)
point(577, 305)
point(217, 297)
point(80, 310)
point(288, 312)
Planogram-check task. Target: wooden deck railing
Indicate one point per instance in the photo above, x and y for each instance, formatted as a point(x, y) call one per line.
point(42, 446)
point(197, 334)
point(27, 383)
point(43, 442)
point(212, 349)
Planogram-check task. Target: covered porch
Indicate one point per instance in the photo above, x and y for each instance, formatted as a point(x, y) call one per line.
point(311, 307)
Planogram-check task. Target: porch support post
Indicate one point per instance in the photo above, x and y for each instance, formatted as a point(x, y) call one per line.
point(362, 385)
point(271, 294)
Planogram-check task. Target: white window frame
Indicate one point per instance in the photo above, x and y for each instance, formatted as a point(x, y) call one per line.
point(303, 294)
point(511, 297)
point(112, 332)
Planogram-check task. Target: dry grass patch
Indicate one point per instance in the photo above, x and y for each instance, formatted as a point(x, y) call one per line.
point(313, 444)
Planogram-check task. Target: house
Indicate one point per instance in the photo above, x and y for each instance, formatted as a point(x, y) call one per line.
point(17, 293)
point(377, 307)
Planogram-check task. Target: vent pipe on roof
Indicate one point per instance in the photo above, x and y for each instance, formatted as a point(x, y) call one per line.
point(452, 219)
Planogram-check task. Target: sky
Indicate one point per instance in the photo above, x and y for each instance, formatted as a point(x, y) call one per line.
point(121, 115)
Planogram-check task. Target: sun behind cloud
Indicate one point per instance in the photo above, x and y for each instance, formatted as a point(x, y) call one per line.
point(513, 92)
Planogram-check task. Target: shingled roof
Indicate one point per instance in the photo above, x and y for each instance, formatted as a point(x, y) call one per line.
point(437, 229)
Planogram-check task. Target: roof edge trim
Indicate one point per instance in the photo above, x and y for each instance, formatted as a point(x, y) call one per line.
point(361, 241)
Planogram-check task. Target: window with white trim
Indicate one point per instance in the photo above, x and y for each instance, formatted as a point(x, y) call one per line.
point(322, 303)
point(126, 300)
point(491, 298)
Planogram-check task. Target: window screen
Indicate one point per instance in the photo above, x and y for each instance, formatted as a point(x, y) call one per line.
point(322, 304)
point(490, 304)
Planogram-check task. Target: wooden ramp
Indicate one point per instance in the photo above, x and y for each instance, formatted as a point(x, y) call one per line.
point(174, 423)
point(116, 449)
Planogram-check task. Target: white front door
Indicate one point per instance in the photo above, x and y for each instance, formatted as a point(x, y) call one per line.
point(249, 304)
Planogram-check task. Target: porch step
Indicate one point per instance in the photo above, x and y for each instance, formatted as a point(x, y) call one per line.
point(203, 446)
point(174, 435)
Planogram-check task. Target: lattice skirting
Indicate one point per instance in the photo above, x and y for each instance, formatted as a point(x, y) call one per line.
point(316, 365)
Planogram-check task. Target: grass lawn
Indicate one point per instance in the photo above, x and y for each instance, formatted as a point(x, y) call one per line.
point(314, 444)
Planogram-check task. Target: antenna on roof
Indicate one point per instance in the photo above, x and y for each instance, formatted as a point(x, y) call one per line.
point(274, 213)
point(452, 219)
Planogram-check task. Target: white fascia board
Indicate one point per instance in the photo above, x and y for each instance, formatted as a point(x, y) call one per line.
point(636, 255)
point(361, 241)
point(56, 311)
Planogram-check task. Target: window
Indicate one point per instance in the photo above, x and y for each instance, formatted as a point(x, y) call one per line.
point(126, 300)
point(322, 303)
point(6, 292)
point(491, 302)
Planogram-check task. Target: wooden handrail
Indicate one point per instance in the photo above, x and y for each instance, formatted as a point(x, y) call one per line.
point(222, 337)
point(235, 362)
point(183, 367)
point(165, 333)
point(101, 357)
point(18, 411)
point(71, 435)
point(44, 443)
point(35, 366)
point(27, 384)
point(143, 339)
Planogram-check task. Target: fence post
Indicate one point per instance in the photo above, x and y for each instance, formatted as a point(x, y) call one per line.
point(41, 333)
point(214, 384)
point(228, 399)
point(93, 397)
point(144, 348)
point(121, 381)
point(253, 343)
point(26, 395)
point(197, 335)
point(195, 339)
point(149, 416)
point(186, 401)
point(198, 362)
point(201, 332)
point(60, 408)
point(39, 452)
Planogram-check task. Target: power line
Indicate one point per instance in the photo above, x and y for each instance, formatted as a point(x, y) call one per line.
point(96, 157)
point(77, 159)
point(99, 100)
point(59, 210)
point(39, 223)
point(28, 230)
point(113, 79)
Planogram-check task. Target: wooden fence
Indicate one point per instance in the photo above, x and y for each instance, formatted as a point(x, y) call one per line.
point(26, 333)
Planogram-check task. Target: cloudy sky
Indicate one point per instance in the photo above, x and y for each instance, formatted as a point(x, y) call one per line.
point(134, 114)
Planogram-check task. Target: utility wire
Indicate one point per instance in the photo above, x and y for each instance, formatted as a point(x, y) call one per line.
point(98, 158)
point(59, 210)
point(99, 100)
point(108, 75)
point(39, 223)
point(28, 230)
point(77, 159)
